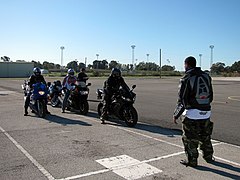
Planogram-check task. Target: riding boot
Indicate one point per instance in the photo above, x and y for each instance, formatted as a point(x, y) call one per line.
point(25, 112)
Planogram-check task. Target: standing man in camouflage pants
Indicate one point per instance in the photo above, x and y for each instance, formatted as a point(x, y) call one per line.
point(195, 96)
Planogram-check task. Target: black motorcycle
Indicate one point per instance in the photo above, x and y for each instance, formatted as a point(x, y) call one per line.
point(78, 97)
point(55, 90)
point(121, 106)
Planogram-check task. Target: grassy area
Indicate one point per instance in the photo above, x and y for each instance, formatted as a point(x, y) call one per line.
point(105, 73)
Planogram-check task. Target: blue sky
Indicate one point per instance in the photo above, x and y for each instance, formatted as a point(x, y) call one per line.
point(35, 30)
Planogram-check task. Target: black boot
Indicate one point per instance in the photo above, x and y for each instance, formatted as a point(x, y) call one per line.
point(25, 112)
point(192, 163)
point(104, 117)
point(209, 159)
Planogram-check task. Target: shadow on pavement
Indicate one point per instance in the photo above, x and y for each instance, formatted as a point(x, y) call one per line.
point(65, 121)
point(158, 130)
point(220, 172)
point(140, 126)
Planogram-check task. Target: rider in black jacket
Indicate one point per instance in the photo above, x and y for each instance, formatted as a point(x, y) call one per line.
point(194, 103)
point(111, 86)
point(187, 99)
point(82, 76)
point(34, 78)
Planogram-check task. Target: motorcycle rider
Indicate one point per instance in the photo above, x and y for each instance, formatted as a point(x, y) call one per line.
point(82, 76)
point(34, 78)
point(67, 86)
point(111, 86)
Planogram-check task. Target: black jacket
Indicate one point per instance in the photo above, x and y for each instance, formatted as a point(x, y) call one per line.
point(34, 79)
point(187, 92)
point(113, 84)
point(82, 77)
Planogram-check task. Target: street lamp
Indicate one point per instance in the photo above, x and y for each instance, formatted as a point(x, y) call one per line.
point(200, 60)
point(62, 48)
point(133, 47)
point(147, 62)
point(211, 62)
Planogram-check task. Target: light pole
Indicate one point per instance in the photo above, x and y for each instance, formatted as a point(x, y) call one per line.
point(62, 48)
point(200, 60)
point(211, 62)
point(133, 47)
point(147, 62)
point(97, 60)
point(160, 63)
point(85, 62)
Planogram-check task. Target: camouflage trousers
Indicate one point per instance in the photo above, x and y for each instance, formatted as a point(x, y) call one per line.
point(195, 133)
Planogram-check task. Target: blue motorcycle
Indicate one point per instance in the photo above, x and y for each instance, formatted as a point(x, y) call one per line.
point(38, 99)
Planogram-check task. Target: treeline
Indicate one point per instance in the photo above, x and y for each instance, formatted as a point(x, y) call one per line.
point(220, 68)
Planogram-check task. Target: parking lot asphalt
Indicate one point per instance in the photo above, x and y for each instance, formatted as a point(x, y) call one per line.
point(72, 146)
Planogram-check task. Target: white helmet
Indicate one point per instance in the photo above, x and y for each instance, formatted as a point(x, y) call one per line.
point(70, 72)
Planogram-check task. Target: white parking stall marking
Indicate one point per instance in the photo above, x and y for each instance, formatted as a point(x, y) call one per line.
point(128, 167)
point(39, 166)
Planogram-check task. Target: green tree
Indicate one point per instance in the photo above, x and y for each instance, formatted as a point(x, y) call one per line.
point(218, 68)
point(73, 65)
point(5, 59)
point(81, 65)
point(168, 68)
point(113, 64)
point(235, 67)
point(37, 64)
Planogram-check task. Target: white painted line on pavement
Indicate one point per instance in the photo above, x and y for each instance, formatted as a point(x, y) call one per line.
point(227, 161)
point(232, 145)
point(86, 174)
point(39, 166)
point(128, 167)
point(234, 98)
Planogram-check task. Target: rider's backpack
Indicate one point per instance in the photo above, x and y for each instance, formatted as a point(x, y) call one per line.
point(201, 85)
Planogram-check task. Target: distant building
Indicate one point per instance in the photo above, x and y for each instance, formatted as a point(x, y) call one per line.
point(44, 71)
point(16, 69)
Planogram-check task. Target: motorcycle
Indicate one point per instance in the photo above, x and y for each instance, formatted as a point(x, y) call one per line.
point(121, 106)
point(38, 98)
point(78, 97)
point(55, 90)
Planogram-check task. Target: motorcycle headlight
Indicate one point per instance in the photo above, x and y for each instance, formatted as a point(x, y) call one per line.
point(127, 99)
point(84, 92)
point(41, 93)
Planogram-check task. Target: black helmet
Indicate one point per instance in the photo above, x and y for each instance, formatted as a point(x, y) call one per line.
point(37, 71)
point(116, 73)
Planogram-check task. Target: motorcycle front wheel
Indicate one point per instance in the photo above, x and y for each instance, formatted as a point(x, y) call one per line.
point(84, 108)
point(130, 116)
point(41, 109)
point(55, 101)
point(100, 109)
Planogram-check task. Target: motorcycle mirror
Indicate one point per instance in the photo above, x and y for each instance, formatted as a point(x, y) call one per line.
point(134, 86)
point(89, 84)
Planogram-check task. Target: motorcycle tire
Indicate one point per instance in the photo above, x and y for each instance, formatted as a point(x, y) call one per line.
point(130, 116)
point(41, 109)
point(84, 108)
point(55, 101)
point(100, 109)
